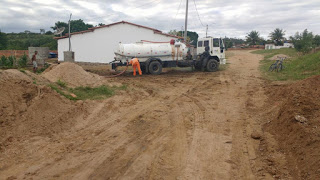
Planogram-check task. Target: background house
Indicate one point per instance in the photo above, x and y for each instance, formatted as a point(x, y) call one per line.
point(97, 44)
point(285, 45)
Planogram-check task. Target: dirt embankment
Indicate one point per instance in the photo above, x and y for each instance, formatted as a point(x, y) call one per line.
point(294, 120)
point(178, 125)
point(28, 110)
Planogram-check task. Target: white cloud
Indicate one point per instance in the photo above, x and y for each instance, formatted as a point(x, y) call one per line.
point(233, 18)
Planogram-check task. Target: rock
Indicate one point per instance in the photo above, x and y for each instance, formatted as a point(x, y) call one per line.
point(300, 119)
point(255, 135)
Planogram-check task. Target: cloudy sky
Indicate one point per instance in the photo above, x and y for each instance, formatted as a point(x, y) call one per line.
point(232, 18)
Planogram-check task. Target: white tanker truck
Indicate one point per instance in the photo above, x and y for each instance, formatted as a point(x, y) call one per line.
point(153, 56)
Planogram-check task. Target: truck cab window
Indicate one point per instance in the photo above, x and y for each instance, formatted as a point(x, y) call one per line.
point(206, 43)
point(200, 44)
point(215, 42)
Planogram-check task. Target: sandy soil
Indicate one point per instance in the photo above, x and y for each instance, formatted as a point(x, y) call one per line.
point(178, 125)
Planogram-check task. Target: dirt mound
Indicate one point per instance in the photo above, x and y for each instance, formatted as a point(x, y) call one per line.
point(275, 57)
point(296, 126)
point(27, 109)
point(73, 74)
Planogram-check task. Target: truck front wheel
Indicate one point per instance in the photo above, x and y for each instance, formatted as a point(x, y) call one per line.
point(155, 68)
point(212, 65)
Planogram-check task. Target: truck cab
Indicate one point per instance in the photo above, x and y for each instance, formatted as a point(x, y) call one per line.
point(216, 48)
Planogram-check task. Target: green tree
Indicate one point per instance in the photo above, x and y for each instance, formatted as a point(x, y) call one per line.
point(277, 36)
point(316, 40)
point(228, 42)
point(303, 42)
point(49, 33)
point(21, 41)
point(22, 62)
point(3, 41)
point(253, 37)
point(3, 61)
point(192, 35)
point(173, 32)
point(76, 26)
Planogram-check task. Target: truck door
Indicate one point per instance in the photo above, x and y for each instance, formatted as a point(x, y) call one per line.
point(215, 50)
point(200, 47)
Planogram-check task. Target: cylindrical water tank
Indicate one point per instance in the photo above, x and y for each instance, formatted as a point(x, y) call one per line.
point(164, 51)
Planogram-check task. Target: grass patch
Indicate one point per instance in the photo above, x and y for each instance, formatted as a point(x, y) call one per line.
point(34, 80)
point(62, 83)
point(100, 92)
point(23, 71)
point(295, 68)
point(83, 93)
point(60, 91)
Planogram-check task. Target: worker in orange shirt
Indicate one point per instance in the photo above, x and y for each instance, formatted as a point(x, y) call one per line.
point(135, 64)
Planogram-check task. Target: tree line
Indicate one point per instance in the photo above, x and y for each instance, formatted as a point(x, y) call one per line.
point(23, 40)
point(303, 42)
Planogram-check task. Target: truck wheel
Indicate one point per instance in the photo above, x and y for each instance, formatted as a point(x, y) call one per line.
point(197, 67)
point(212, 65)
point(143, 69)
point(155, 68)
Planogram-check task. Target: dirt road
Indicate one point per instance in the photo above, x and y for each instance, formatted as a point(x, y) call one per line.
point(179, 125)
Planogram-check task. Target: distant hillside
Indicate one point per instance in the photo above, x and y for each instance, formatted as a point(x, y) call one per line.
point(21, 41)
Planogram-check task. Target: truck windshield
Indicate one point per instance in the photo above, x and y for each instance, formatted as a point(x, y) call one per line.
point(215, 42)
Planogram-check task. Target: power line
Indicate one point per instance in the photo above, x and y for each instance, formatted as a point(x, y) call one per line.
point(145, 4)
point(197, 12)
point(174, 19)
point(98, 17)
point(178, 9)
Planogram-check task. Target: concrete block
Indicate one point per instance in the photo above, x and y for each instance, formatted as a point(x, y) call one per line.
point(42, 56)
point(68, 56)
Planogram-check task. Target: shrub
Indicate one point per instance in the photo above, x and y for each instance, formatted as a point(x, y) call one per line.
point(23, 61)
point(46, 65)
point(3, 61)
point(303, 42)
point(11, 61)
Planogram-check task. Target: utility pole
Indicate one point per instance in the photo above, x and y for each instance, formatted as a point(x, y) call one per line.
point(186, 23)
point(69, 33)
point(207, 31)
point(182, 32)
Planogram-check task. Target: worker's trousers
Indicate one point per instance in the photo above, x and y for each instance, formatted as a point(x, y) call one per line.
point(135, 66)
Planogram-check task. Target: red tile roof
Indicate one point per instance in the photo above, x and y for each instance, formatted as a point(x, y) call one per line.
point(156, 31)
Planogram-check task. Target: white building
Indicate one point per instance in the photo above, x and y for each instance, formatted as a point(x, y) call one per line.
point(97, 44)
point(285, 45)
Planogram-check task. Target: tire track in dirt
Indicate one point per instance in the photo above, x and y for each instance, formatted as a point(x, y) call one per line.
point(207, 151)
point(191, 125)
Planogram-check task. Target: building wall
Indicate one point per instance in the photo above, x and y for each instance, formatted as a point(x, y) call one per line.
point(43, 53)
point(285, 45)
point(99, 45)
